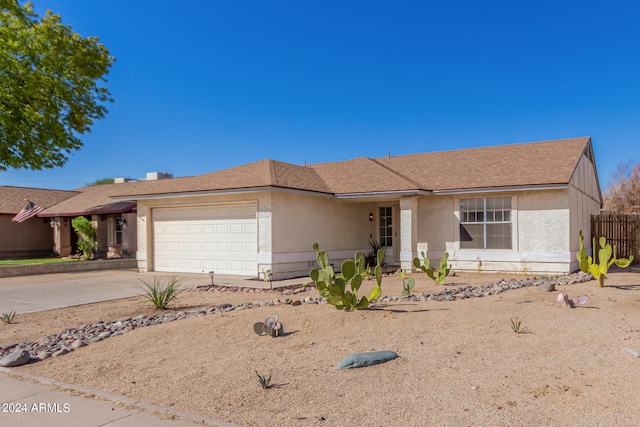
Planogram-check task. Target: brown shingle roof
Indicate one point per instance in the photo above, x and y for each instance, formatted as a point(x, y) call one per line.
point(527, 164)
point(93, 199)
point(14, 199)
point(361, 175)
point(534, 163)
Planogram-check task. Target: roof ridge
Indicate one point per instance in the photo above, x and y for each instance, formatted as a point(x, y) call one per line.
point(484, 147)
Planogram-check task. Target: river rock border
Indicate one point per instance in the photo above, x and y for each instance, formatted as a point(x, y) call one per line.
point(72, 338)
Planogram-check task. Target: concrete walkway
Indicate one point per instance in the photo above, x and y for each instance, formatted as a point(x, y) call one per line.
point(28, 400)
point(54, 405)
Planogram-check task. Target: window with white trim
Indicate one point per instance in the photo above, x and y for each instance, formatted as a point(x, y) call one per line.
point(485, 223)
point(118, 231)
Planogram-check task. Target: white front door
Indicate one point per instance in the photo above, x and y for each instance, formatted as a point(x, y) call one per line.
point(386, 232)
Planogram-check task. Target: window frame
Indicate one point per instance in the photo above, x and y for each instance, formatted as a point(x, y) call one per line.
point(488, 210)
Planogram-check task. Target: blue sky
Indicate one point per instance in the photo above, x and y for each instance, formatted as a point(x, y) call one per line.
point(205, 85)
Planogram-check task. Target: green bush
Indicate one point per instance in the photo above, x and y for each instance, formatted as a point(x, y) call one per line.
point(86, 236)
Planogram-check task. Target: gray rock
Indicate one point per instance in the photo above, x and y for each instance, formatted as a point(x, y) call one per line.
point(42, 355)
point(633, 352)
point(77, 344)
point(60, 352)
point(360, 360)
point(17, 358)
point(547, 287)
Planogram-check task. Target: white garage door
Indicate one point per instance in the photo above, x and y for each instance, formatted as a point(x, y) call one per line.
point(202, 239)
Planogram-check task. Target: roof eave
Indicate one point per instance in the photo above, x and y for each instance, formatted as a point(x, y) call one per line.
point(392, 193)
point(229, 191)
point(538, 187)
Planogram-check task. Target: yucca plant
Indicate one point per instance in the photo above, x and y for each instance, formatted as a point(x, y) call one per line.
point(517, 327)
point(162, 294)
point(264, 380)
point(8, 317)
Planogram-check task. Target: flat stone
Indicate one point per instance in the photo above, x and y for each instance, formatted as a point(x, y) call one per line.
point(17, 358)
point(360, 360)
point(633, 352)
point(42, 355)
point(60, 352)
point(78, 344)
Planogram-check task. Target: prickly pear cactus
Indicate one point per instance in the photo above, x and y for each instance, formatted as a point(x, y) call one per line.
point(333, 286)
point(606, 258)
point(584, 260)
point(406, 287)
point(440, 274)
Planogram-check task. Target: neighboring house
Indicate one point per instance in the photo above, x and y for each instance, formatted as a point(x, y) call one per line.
point(503, 208)
point(50, 232)
point(115, 222)
point(32, 238)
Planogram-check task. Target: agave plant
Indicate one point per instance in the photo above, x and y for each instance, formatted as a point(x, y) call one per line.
point(8, 317)
point(264, 380)
point(516, 326)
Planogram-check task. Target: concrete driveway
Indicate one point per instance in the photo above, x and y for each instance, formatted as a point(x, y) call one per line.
point(27, 294)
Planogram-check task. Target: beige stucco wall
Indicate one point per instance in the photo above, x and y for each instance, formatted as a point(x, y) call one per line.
point(540, 242)
point(31, 238)
point(338, 226)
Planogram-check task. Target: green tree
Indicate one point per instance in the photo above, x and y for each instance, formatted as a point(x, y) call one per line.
point(101, 181)
point(49, 87)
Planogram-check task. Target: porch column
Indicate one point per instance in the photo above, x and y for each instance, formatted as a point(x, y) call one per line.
point(265, 240)
point(62, 236)
point(408, 231)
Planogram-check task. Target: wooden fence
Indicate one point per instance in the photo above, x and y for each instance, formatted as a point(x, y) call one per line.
point(622, 231)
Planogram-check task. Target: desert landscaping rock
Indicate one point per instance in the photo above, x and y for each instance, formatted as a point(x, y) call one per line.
point(17, 358)
point(633, 352)
point(72, 338)
point(360, 360)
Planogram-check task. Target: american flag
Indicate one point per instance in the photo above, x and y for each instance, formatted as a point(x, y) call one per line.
point(30, 210)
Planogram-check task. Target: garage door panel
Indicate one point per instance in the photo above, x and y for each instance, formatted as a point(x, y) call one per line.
point(215, 238)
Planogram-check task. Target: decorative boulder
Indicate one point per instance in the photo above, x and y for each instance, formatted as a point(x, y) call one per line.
point(360, 360)
point(17, 358)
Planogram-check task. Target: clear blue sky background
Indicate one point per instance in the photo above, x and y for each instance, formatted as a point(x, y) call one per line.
point(206, 85)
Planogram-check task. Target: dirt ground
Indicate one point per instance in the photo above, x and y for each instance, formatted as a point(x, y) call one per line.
point(459, 362)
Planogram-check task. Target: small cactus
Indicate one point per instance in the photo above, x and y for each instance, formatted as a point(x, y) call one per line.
point(406, 287)
point(439, 275)
point(271, 326)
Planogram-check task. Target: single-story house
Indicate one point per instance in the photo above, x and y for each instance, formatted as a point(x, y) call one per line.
point(511, 208)
point(115, 222)
point(33, 237)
